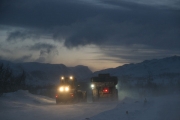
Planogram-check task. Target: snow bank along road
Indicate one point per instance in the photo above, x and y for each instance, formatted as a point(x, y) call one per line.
point(22, 105)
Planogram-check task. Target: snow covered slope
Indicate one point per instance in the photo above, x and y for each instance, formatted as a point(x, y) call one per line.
point(163, 70)
point(156, 108)
point(22, 105)
point(43, 73)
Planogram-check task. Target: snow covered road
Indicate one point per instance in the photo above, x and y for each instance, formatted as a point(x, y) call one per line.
point(22, 105)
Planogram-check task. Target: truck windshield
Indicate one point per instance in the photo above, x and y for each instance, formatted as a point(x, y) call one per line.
point(67, 81)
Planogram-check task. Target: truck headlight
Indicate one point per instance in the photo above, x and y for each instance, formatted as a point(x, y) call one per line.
point(71, 77)
point(66, 88)
point(92, 86)
point(61, 89)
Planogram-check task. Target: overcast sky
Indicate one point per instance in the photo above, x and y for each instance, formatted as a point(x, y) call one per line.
point(97, 33)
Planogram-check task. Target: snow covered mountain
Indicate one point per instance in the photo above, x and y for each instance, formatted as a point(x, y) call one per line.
point(43, 73)
point(161, 71)
point(166, 70)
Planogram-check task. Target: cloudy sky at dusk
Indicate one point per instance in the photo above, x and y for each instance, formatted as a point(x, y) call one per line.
point(97, 33)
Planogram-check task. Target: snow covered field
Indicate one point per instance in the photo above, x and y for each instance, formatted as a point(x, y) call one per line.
point(22, 105)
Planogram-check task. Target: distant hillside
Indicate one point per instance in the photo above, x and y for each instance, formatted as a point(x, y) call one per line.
point(161, 71)
point(43, 73)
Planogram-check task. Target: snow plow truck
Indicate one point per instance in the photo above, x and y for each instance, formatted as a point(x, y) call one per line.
point(104, 86)
point(69, 91)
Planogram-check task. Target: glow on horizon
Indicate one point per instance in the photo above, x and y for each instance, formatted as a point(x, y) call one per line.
point(89, 55)
point(93, 56)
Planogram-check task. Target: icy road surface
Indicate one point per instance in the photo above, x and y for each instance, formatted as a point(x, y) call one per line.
point(22, 105)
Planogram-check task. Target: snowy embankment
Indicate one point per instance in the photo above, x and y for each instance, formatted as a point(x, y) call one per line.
point(152, 108)
point(23, 105)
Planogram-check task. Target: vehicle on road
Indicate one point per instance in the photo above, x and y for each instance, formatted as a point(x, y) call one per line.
point(69, 91)
point(104, 86)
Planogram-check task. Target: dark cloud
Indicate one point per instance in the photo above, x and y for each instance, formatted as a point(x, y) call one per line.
point(21, 35)
point(24, 58)
point(135, 53)
point(43, 13)
point(155, 33)
point(46, 55)
point(46, 51)
point(5, 50)
point(101, 23)
point(42, 46)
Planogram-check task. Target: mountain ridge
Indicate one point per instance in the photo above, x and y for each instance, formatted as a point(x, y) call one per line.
point(45, 73)
point(165, 69)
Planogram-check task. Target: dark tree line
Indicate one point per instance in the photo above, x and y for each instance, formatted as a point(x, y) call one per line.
point(10, 82)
